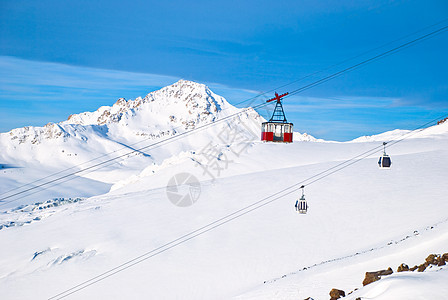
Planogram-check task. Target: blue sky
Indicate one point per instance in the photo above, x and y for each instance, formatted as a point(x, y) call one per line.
point(63, 57)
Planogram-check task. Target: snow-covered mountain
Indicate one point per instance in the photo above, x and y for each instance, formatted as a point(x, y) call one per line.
point(125, 128)
point(176, 108)
point(360, 218)
point(119, 129)
point(185, 103)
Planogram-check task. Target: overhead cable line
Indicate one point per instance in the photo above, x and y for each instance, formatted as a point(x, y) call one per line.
point(308, 86)
point(234, 215)
point(296, 91)
point(186, 133)
point(381, 55)
point(347, 60)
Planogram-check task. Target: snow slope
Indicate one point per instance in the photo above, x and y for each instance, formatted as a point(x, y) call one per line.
point(360, 219)
point(109, 132)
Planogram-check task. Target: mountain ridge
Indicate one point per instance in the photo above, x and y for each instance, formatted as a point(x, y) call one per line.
point(183, 104)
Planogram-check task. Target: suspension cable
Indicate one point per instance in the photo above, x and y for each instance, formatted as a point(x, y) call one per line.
point(234, 215)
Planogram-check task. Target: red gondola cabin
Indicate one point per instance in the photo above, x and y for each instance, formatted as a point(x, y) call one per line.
point(277, 129)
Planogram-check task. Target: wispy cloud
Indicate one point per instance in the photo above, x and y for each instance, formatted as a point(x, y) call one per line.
point(20, 77)
point(34, 93)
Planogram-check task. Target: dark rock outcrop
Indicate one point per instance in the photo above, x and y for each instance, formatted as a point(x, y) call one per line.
point(375, 276)
point(336, 294)
point(442, 121)
point(437, 259)
point(445, 257)
point(422, 267)
point(432, 259)
point(403, 267)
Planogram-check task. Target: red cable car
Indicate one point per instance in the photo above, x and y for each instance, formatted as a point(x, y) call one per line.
point(277, 129)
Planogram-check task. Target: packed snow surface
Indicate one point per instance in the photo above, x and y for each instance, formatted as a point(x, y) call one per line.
point(360, 218)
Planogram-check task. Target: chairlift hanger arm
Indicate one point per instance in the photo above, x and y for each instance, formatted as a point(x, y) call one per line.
point(277, 97)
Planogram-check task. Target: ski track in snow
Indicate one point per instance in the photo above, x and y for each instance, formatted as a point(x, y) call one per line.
point(360, 253)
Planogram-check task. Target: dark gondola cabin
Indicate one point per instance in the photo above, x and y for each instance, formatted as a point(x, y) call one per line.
point(384, 162)
point(277, 129)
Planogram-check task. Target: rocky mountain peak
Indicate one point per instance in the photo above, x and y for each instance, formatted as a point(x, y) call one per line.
point(182, 100)
point(180, 106)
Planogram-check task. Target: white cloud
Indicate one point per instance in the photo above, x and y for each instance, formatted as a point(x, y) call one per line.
point(33, 89)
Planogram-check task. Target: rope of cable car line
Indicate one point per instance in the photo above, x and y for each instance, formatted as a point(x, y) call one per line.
point(318, 82)
point(158, 143)
point(390, 143)
point(107, 154)
point(369, 152)
point(292, 82)
point(347, 164)
point(88, 172)
point(346, 60)
point(369, 60)
point(193, 234)
point(236, 214)
point(121, 156)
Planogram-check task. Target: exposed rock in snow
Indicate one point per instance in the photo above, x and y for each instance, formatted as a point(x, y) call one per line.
point(403, 268)
point(375, 276)
point(67, 241)
point(35, 135)
point(336, 294)
point(127, 126)
point(185, 102)
point(75, 242)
